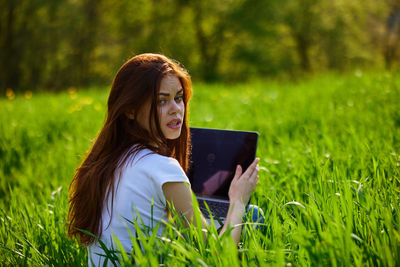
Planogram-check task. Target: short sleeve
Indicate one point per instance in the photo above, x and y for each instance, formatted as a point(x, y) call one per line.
point(163, 170)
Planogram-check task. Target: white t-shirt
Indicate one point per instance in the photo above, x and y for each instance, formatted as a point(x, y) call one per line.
point(140, 184)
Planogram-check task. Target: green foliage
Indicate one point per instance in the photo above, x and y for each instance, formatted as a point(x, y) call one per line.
point(53, 45)
point(329, 184)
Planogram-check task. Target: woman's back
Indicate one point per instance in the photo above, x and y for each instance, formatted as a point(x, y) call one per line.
point(138, 193)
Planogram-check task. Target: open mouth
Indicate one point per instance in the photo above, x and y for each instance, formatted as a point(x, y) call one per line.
point(174, 124)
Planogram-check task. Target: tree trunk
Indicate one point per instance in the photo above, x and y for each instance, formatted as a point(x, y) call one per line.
point(209, 58)
point(303, 46)
point(392, 40)
point(10, 64)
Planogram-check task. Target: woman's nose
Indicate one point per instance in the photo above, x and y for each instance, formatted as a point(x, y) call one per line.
point(175, 107)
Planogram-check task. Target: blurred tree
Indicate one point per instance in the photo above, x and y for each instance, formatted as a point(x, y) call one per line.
point(11, 44)
point(232, 37)
point(209, 21)
point(392, 40)
point(344, 33)
point(85, 41)
point(61, 43)
point(256, 45)
point(301, 17)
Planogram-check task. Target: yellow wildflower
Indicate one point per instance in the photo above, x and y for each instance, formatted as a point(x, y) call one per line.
point(10, 94)
point(28, 94)
point(72, 92)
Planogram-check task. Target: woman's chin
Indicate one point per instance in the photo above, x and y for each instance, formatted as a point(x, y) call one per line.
point(173, 136)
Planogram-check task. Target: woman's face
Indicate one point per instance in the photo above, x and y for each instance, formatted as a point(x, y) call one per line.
point(171, 108)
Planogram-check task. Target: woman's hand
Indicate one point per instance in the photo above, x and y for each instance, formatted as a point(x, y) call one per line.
point(243, 184)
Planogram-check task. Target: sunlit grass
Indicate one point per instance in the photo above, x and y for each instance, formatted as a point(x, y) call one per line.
point(329, 184)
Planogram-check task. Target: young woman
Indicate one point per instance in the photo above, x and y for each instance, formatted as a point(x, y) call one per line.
point(138, 162)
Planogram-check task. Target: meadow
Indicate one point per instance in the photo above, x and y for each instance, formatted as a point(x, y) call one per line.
point(329, 185)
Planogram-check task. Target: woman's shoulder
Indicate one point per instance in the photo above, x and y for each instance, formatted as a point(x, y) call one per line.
point(149, 160)
point(155, 166)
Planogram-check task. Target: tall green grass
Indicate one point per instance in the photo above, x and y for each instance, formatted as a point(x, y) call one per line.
point(329, 184)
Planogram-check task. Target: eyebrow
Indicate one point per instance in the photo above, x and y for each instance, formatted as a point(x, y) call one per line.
point(167, 94)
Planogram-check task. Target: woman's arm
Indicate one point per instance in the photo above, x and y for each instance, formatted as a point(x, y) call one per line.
point(179, 194)
point(242, 186)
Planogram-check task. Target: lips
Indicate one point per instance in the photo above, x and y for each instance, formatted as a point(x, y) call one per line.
point(174, 124)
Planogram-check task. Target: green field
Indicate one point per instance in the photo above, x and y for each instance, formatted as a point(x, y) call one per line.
point(329, 186)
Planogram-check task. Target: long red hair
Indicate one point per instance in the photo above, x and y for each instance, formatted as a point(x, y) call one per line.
point(137, 81)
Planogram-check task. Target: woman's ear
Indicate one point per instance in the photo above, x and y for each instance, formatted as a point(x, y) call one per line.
point(130, 114)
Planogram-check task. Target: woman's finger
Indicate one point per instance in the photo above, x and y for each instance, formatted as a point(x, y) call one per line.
point(251, 168)
point(254, 175)
point(238, 172)
point(253, 179)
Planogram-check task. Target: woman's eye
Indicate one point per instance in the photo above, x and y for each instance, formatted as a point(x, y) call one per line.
point(162, 101)
point(179, 98)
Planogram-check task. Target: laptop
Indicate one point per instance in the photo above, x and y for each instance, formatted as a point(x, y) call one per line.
point(215, 154)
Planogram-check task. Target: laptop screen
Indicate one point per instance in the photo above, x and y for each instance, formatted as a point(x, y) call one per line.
point(215, 154)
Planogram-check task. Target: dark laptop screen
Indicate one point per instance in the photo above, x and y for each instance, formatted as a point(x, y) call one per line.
point(215, 154)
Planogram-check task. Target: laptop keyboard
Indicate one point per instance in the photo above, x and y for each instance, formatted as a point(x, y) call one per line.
point(219, 209)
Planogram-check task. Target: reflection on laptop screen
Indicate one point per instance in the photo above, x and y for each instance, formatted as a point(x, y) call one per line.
point(215, 154)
